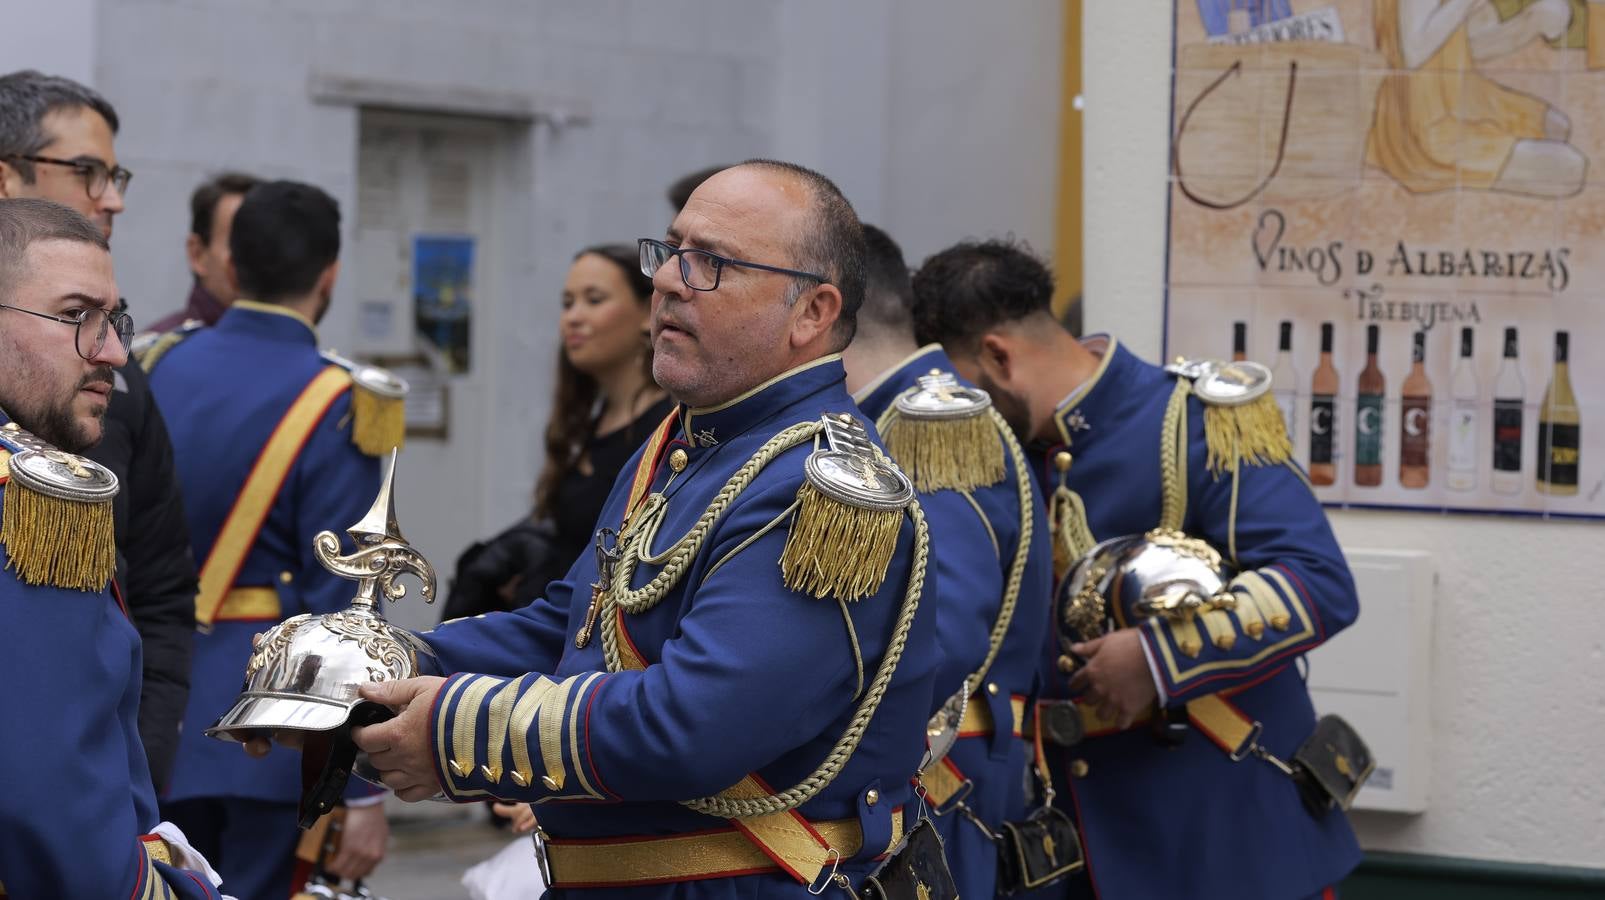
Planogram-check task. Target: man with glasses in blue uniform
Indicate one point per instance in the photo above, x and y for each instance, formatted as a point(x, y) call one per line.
point(57, 143)
point(728, 696)
point(78, 815)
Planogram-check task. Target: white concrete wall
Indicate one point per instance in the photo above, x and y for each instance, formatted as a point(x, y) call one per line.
point(939, 118)
point(1519, 651)
point(58, 37)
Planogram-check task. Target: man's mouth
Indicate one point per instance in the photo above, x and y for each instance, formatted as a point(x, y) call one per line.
point(98, 383)
point(667, 327)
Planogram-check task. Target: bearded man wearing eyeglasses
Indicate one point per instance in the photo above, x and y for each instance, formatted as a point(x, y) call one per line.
point(57, 143)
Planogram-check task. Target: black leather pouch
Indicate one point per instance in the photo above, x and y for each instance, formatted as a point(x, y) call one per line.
point(916, 869)
point(1331, 766)
point(1038, 851)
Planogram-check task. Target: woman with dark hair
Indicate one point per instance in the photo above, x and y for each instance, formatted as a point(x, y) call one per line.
point(606, 404)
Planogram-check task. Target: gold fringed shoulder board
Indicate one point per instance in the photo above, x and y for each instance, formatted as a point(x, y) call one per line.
point(1242, 423)
point(56, 519)
point(149, 348)
point(849, 512)
point(941, 435)
point(378, 406)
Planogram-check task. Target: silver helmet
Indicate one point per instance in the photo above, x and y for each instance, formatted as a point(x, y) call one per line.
point(304, 673)
point(1123, 580)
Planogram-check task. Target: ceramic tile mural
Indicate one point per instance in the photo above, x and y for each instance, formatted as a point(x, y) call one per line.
point(1399, 206)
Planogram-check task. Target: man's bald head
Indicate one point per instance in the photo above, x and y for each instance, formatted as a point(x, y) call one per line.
point(830, 240)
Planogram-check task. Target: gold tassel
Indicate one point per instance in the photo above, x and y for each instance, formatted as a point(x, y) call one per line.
point(64, 543)
point(1253, 432)
point(838, 550)
point(1072, 537)
point(379, 424)
point(946, 454)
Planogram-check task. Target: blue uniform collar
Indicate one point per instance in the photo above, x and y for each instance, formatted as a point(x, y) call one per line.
point(877, 396)
point(267, 320)
point(709, 426)
point(1100, 397)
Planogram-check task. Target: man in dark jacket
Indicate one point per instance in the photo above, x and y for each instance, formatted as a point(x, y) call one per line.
point(56, 143)
point(211, 215)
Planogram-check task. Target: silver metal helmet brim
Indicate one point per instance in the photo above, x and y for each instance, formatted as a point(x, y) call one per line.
point(255, 711)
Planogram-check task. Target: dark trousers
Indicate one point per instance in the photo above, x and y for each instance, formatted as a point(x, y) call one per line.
point(251, 843)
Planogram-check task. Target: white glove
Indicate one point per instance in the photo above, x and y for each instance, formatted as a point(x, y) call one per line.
point(185, 856)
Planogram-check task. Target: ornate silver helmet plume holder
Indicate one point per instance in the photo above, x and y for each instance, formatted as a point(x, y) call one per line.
point(305, 672)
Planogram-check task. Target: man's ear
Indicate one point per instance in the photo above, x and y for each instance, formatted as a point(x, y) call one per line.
point(996, 358)
point(10, 182)
point(325, 284)
point(194, 247)
point(816, 314)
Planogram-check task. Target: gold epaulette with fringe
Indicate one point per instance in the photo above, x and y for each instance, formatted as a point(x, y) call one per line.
point(940, 433)
point(1242, 423)
point(149, 348)
point(378, 406)
point(849, 512)
point(56, 518)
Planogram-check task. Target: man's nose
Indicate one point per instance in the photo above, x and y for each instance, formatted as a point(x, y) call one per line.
point(111, 353)
point(667, 280)
point(112, 199)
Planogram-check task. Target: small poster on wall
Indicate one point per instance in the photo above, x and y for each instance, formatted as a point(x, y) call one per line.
point(442, 291)
point(1401, 215)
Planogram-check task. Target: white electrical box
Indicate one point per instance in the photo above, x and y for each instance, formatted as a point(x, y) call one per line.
point(1377, 675)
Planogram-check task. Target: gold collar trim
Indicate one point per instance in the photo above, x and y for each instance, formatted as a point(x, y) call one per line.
point(692, 412)
point(277, 310)
point(1080, 393)
point(862, 394)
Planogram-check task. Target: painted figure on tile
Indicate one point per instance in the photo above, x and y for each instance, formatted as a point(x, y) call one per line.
point(1443, 124)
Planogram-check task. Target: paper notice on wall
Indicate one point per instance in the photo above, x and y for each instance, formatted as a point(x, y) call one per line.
point(442, 290)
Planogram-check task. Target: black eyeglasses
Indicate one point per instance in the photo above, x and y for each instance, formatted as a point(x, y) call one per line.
point(96, 174)
point(91, 323)
point(700, 269)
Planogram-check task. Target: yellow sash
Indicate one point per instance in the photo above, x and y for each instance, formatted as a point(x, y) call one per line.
point(251, 507)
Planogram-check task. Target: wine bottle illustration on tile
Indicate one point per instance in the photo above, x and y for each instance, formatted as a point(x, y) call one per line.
point(1509, 394)
point(1284, 380)
point(1559, 428)
point(1415, 419)
point(1463, 428)
point(1323, 413)
point(1368, 416)
point(1239, 341)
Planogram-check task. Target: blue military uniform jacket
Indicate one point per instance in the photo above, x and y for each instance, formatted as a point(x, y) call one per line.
point(75, 794)
point(223, 391)
point(974, 537)
point(1189, 822)
point(744, 674)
